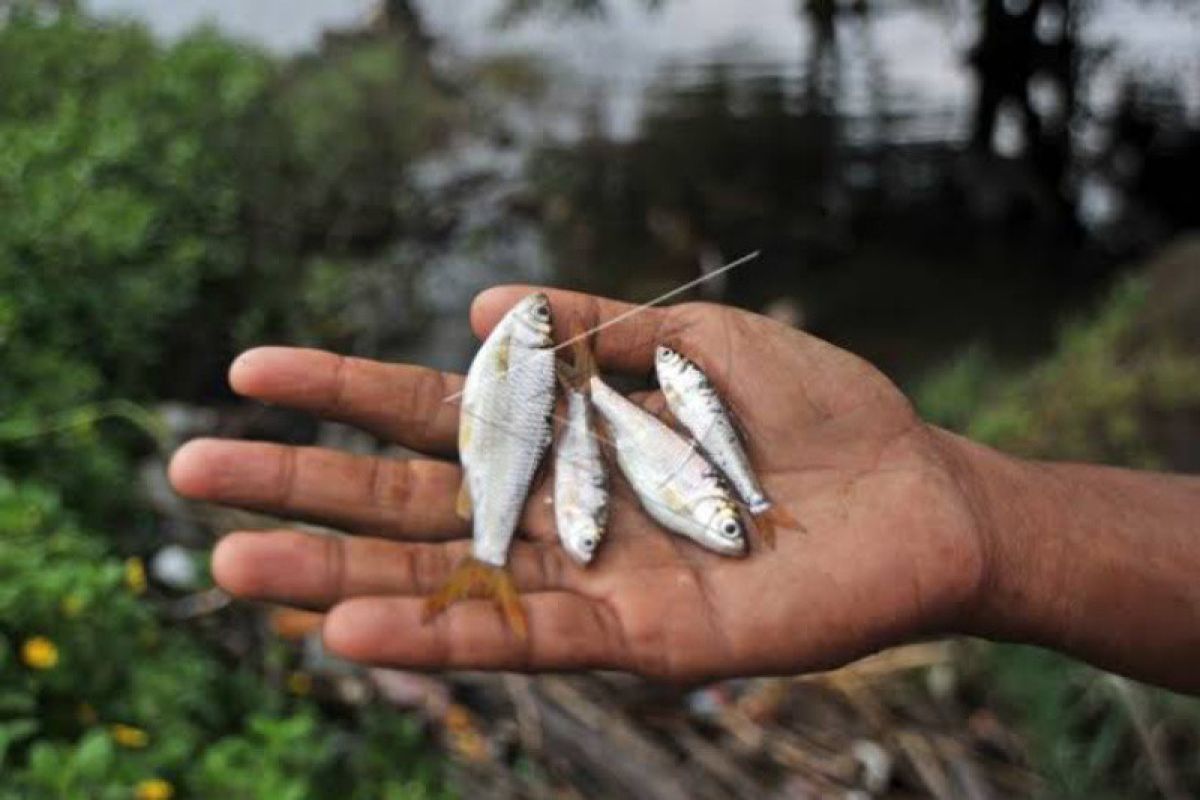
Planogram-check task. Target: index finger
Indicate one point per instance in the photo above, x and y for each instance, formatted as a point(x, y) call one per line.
point(402, 403)
point(625, 334)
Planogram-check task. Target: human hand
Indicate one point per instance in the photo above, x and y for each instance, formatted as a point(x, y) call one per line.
point(891, 547)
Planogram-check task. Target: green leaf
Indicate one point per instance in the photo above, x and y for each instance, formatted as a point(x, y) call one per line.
point(15, 731)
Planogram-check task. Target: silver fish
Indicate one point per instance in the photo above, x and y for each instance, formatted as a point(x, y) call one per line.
point(580, 477)
point(674, 482)
point(693, 401)
point(504, 428)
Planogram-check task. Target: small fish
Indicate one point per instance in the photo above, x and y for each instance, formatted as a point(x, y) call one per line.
point(674, 482)
point(580, 477)
point(694, 401)
point(504, 429)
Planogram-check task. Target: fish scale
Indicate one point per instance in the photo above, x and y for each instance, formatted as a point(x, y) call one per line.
point(510, 429)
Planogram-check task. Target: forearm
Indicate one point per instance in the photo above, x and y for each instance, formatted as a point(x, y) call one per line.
point(1099, 562)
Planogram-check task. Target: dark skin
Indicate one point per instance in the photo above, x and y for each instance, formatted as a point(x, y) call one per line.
point(908, 531)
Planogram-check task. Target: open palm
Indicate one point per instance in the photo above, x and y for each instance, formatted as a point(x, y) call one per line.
point(889, 547)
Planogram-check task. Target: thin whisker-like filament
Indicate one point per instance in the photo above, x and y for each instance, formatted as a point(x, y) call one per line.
point(640, 308)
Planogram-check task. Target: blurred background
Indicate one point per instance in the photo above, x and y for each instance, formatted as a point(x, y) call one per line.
point(990, 199)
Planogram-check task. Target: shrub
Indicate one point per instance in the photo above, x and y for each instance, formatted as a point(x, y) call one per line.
point(126, 277)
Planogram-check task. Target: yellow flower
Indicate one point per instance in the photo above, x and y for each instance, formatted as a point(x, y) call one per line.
point(457, 719)
point(135, 574)
point(154, 789)
point(299, 683)
point(129, 736)
point(39, 653)
point(470, 746)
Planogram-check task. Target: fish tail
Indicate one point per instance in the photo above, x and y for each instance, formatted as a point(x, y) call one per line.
point(771, 519)
point(576, 376)
point(475, 579)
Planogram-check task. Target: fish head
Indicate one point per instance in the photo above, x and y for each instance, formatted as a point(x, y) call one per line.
point(582, 543)
point(722, 528)
point(532, 321)
point(675, 371)
point(670, 365)
point(666, 356)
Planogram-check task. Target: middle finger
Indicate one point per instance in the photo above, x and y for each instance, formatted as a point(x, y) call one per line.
point(401, 498)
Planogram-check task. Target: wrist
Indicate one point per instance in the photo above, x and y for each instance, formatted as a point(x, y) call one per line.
point(1010, 502)
point(1095, 561)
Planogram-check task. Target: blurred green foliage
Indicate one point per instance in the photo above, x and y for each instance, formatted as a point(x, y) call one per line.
point(114, 696)
point(1099, 396)
point(1093, 399)
point(118, 184)
point(136, 254)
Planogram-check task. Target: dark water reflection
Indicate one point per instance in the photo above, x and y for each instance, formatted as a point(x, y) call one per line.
point(919, 174)
point(901, 234)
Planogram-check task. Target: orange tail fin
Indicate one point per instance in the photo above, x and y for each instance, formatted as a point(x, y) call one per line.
point(774, 518)
point(475, 579)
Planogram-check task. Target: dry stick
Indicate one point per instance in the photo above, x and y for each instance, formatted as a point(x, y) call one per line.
point(607, 742)
point(735, 778)
point(529, 718)
point(1160, 766)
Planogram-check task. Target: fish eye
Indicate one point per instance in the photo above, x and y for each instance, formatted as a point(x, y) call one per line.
point(542, 312)
point(730, 528)
point(588, 543)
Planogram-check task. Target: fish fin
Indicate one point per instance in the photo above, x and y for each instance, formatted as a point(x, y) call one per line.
point(774, 518)
point(508, 600)
point(565, 374)
point(474, 579)
point(581, 351)
point(502, 354)
point(575, 376)
point(673, 500)
point(465, 428)
point(463, 506)
point(765, 528)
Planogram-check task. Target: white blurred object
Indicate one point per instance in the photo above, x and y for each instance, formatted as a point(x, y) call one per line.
point(175, 566)
point(942, 682)
point(411, 689)
point(876, 764)
point(786, 310)
point(711, 260)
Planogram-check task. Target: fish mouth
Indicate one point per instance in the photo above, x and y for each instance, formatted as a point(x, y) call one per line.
point(727, 547)
point(581, 557)
point(539, 307)
point(537, 313)
point(577, 551)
